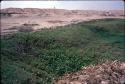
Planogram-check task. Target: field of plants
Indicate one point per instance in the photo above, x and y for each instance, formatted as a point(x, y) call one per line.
point(41, 57)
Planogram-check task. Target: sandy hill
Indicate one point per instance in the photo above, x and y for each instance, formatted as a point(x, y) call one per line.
point(31, 10)
point(46, 18)
point(61, 11)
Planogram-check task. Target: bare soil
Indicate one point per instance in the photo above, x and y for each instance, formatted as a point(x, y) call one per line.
point(46, 18)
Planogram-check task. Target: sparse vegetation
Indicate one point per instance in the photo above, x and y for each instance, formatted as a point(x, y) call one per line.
point(26, 27)
point(40, 57)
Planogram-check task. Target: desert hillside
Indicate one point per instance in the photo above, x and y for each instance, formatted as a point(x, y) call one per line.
point(14, 18)
point(62, 11)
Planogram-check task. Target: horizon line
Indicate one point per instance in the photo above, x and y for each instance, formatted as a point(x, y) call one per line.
point(61, 8)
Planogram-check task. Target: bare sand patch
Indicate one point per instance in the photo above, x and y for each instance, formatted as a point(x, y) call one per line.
point(46, 18)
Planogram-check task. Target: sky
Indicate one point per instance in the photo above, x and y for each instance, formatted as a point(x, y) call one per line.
point(71, 5)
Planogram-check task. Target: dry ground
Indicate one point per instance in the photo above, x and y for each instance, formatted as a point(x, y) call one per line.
point(47, 18)
point(106, 73)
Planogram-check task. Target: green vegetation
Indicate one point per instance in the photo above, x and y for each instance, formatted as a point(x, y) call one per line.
point(40, 57)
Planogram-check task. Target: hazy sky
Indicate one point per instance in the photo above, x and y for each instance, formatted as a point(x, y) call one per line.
point(85, 5)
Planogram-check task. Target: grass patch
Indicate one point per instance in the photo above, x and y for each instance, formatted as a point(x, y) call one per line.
point(39, 57)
